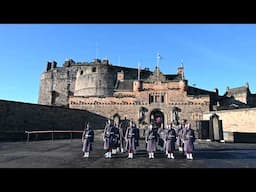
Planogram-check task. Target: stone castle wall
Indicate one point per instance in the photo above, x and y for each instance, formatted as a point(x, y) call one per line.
point(191, 108)
point(17, 117)
point(58, 83)
point(237, 120)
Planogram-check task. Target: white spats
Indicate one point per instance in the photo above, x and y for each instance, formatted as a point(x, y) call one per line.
point(107, 155)
point(114, 151)
point(151, 155)
point(189, 156)
point(130, 155)
point(170, 156)
point(86, 154)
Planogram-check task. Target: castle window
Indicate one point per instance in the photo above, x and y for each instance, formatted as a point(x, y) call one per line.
point(94, 69)
point(81, 72)
point(99, 83)
point(162, 98)
point(151, 99)
point(156, 98)
point(54, 97)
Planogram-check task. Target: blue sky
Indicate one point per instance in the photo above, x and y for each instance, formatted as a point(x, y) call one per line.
point(214, 55)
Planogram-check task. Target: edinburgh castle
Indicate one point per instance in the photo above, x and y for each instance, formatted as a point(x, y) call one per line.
point(136, 94)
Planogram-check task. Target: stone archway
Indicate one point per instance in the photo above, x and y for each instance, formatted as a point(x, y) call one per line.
point(157, 117)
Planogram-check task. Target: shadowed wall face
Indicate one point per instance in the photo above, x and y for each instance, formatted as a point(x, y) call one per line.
point(17, 117)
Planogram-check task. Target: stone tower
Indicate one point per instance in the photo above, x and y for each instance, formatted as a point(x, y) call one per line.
point(96, 79)
point(57, 83)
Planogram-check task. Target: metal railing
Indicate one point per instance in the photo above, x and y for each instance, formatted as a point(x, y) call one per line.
point(52, 132)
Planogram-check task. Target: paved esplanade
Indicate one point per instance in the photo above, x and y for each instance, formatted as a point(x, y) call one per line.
point(68, 154)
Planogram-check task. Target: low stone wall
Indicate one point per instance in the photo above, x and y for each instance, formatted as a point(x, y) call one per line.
point(239, 125)
point(18, 117)
point(236, 120)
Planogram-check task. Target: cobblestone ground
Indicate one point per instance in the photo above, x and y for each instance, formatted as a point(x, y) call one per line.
point(68, 154)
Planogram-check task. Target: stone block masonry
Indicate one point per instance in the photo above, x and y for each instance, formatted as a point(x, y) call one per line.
point(237, 120)
point(18, 117)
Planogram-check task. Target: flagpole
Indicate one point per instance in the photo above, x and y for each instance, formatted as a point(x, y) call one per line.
point(158, 60)
point(138, 71)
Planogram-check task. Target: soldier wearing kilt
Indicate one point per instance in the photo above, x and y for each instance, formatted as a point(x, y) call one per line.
point(189, 139)
point(137, 137)
point(109, 138)
point(161, 138)
point(87, 140)
point(117, 139)
point(170, 141)
point(151, 140)
point(180, 131)
point(122, 130)
point(131, 136)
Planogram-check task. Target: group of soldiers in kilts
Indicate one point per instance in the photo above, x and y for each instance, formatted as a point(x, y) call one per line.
point(125, 138)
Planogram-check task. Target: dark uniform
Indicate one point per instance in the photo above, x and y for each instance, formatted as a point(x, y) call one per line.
point(170, 141)
point(151, 140)
point(180, 131)
point(116, 140)
point(137, 138)
point(87, 139)
point(161, 138)
point(131, 137)
point(189, 139)
point(109, 139)
point(122, 131)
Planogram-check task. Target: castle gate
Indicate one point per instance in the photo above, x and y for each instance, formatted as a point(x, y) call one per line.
point(157, 117)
